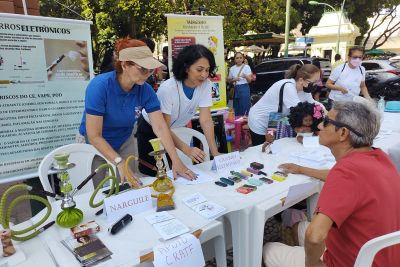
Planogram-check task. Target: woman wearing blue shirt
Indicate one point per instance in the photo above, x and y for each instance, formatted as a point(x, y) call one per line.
point(114, 101)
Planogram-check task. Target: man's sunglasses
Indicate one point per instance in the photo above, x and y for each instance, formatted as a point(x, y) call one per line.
point(326, 122)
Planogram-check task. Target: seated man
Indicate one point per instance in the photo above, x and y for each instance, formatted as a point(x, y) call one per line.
point(359, 201)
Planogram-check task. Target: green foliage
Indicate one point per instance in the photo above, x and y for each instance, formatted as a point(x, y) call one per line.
point(113, 19)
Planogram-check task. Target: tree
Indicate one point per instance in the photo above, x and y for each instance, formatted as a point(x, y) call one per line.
point(113, 19)
point(392, 27)
point(359, 11)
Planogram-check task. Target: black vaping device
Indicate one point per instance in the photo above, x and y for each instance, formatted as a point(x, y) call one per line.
point(116, 227)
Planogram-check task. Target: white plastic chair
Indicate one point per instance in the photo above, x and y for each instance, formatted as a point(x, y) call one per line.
point(367, 253)
point(186, 135)
point(80, 154)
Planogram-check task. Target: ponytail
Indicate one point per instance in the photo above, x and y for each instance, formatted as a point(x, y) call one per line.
point(292, 71)
point(297, 71)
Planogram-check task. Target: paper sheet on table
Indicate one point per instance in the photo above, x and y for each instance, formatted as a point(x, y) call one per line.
point(297, 191)
point(383, 133)
point(180, 252)
point(171, 228)
point(314, 158)
point(275, 148)
point(310, 141)
point(207, 209)
point(194, 199)
point(159, 217)
point(201, 177)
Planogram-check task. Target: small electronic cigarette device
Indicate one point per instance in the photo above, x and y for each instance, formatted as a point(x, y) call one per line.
point(279, 176)
point(221, 184)
point(256, 171)
point(256, 165)
point(227, 181)
point(121, 223)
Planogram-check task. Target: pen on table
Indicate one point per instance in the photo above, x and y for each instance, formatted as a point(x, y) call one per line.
point(99, 212)
point(47, 226)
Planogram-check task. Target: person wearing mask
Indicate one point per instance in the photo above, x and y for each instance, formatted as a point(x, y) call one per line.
point(180, 97)
point(240, 76)
point(299, 83)
point(348, 79)
point(358, 202)
point(113, 102)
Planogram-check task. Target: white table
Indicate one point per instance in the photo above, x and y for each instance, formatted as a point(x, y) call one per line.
point(29, 253)
point(140, 236)
point(390, 131)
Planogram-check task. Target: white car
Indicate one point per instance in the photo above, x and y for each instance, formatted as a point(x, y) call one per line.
point(381, 65)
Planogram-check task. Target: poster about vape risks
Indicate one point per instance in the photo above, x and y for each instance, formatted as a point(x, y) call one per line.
point(44, 71)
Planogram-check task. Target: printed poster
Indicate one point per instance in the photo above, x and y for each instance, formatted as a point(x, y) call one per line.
point(45, 68)
point(184, 30)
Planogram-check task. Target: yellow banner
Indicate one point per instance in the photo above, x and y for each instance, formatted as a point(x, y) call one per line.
point(184, 30)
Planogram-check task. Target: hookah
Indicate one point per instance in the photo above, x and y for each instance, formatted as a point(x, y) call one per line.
point(163, 186)
point(70, 215)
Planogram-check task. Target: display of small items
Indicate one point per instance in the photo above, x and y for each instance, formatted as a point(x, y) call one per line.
point(256, 169)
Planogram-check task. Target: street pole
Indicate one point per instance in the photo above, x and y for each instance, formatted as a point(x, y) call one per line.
point(340, 24)
point(287, 26)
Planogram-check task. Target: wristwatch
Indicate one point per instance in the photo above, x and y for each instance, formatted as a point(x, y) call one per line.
point(117, 160)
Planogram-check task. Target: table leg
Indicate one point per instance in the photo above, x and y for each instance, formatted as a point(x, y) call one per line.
point(240, 236)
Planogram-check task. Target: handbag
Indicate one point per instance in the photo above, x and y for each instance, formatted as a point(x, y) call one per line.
point(275, 117)
point(231, 86)
point(279, 121)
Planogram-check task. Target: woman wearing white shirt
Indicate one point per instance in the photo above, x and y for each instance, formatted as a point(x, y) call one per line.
point(180, 96)
point(297, 87)
point(240, 75)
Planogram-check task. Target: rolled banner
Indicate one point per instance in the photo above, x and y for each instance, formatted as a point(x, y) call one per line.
point(8, 248)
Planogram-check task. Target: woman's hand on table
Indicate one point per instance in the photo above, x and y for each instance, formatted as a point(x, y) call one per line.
point(121, 171)
point(195, 154)
point(180, 169)
point(269, 138)
point(290, 168)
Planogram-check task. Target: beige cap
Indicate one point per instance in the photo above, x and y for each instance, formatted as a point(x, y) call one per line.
point(141, 55)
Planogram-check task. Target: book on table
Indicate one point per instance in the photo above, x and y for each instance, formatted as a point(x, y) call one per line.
point(88, 250)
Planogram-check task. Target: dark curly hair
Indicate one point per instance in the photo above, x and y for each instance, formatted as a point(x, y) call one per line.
point(188, 56)
point(297, 114)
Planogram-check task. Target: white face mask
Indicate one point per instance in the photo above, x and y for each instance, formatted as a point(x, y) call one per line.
point(356, 62)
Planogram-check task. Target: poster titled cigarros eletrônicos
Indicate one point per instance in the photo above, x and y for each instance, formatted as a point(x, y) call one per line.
point(44, 70)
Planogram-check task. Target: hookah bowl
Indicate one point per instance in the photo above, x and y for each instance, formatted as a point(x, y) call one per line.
point(162, 185)
point(70, 216)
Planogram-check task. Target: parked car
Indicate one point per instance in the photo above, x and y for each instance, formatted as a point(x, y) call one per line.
point(383, 84)
point(381, 65)
point(271, 71)
point(383, 78)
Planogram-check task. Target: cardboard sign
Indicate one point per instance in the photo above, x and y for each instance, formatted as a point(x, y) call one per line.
point(226, 162)
point(180, 252)
point(132, 202)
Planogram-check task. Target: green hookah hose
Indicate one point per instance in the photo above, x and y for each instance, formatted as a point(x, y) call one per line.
point(114, 186)
point(5, 214)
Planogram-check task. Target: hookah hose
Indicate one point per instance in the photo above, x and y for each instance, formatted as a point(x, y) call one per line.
point(114, 185)
point(5, 214)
